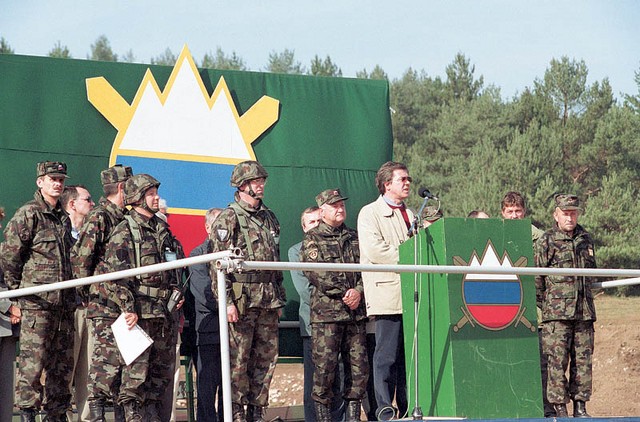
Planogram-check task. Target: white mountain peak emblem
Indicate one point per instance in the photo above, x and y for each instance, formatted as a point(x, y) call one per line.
point(183, 122)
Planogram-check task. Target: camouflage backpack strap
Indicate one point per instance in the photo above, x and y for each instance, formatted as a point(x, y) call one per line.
point(243, 221)
point(134, 228)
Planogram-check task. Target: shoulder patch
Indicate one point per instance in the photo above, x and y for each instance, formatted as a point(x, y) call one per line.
point(223, 234)
point(313, 254)
point(25, 234)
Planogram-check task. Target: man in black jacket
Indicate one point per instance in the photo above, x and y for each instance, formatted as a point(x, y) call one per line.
point(208, 332)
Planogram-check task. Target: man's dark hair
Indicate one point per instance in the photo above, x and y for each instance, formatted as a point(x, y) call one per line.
point(385, 174)
point(70, 193)
point(512, 199)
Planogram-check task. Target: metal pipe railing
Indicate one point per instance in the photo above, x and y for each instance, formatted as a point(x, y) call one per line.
point(163, 266)
point(230, 261)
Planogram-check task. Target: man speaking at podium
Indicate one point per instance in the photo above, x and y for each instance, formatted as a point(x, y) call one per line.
point(382, 226)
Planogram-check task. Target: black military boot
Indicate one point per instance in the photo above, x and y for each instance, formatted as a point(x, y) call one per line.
point(549, 410)
point(255, 413)
point(353, 411)
point(238, 412)
point(118, 413)
point(55, 417)
point(96, 411)
point(27, 415)
point(561, 410)
point(323, 413)
point(580, 409)
point(132, 411)
point(151, 412)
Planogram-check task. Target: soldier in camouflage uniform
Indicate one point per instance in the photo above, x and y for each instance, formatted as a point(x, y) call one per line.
point(568, 311)
point(337, 309)
point(36, 252)
point(87, 259)
point(139, 240)
point(254, 299)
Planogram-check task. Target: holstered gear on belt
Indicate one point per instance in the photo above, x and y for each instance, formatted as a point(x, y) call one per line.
point(240, 297)
point(153, 292)
point(245, 220)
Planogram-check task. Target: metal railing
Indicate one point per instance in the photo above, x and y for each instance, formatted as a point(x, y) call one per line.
point(231, 261)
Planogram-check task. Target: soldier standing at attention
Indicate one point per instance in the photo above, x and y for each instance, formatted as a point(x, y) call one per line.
point(337, 309)
point(9, 332)
point(568, 311)
point(36, 252)
point(87, 259)
point(309, 219)
point(254, 299)
point(142, 239)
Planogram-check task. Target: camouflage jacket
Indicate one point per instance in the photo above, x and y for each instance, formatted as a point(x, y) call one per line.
point(565, 297)
point(87, 254)
point(332, 245)
point(36, 252)
point(147, 295)
point(257, 233)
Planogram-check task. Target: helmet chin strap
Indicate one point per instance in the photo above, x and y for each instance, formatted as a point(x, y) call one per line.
point(146, 207)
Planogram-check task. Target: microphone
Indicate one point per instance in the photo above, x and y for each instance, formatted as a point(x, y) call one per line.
point(424, 193)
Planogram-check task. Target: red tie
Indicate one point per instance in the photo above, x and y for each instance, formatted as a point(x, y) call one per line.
point(403, 211)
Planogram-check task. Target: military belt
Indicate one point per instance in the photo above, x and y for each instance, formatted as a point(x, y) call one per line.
point(262, 277)
point(153, 292)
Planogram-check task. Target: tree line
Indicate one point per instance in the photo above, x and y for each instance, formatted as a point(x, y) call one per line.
point(468, 145)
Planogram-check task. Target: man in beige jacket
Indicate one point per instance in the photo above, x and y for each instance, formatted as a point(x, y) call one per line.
point(382, 226)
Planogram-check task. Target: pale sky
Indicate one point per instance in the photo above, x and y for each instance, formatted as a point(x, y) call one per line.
point(510, 42)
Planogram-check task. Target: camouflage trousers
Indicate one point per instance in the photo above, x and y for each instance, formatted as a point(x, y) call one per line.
point(253, 352)
point(146, 378)
point(562, 341)
point(330, 342)
point(105, 365)
point(46, 346)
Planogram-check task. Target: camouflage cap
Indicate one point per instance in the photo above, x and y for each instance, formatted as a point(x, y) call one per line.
point(567, 202)
point(329, 196)
point(431, 213)
point(116, 174)
point(51, 168)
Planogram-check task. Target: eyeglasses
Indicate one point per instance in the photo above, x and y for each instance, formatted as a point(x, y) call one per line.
point(404, 179)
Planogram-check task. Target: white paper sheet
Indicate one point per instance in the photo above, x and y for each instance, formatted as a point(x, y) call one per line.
point(131, 342)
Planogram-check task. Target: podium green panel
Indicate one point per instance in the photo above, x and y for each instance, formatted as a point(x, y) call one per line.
point(477, 342)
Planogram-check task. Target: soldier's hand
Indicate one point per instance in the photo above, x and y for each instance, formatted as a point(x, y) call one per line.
point(232, 313)
point(15, 315)
point(179, 304)
point(352, 298)
point(131, 318)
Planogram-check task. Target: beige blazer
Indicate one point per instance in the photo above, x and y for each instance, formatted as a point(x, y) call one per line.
point(381, 230)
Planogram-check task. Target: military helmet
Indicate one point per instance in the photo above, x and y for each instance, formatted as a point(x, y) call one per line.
point(245, 171)
point(136, 186)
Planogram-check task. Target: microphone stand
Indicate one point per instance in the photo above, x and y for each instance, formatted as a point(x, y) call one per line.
point(416, 414)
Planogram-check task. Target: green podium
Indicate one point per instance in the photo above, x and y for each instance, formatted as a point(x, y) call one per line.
point(477, 340)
